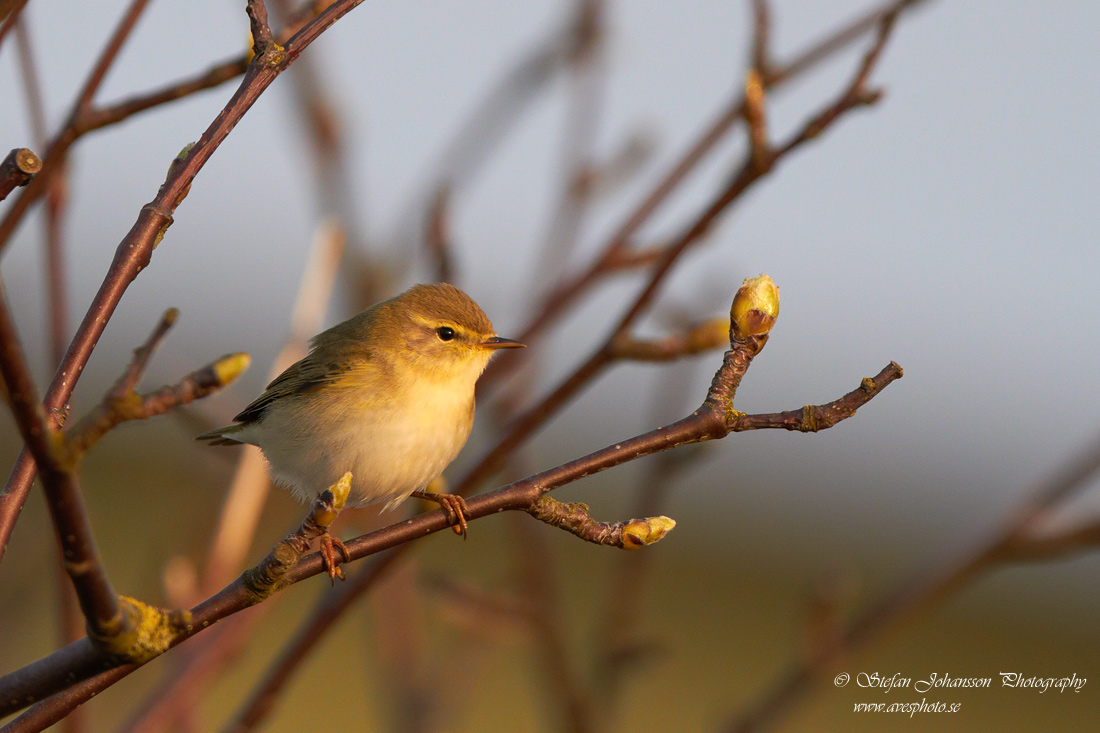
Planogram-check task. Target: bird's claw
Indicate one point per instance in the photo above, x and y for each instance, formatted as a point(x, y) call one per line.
point(329, 545)
point(453, 505)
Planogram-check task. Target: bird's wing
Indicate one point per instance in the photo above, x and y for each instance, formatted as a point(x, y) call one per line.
point(302, 377)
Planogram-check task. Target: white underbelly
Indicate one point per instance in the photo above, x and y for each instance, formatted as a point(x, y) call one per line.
point(390, 454)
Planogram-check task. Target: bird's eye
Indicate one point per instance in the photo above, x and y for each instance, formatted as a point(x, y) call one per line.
point(446, 333)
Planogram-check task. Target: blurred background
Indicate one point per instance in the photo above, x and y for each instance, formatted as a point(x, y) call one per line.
point(952, 228)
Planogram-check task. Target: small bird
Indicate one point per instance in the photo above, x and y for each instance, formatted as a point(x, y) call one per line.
point(387, 395)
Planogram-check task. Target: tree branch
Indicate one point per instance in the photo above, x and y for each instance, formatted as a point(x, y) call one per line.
point(617, 247)
point(926, 590)
point(135, 250)
point(712, 420)
point(752, 169)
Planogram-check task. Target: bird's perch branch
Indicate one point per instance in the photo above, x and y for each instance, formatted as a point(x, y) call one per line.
point(753, 312)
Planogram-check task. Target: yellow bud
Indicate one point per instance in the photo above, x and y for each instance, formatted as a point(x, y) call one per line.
point(230, 366)
point(640, 532)
point(755, 307)
point(340, 491)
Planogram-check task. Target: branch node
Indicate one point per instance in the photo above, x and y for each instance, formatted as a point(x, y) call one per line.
point(140, 632)
point(269, 575)
point(810, 422)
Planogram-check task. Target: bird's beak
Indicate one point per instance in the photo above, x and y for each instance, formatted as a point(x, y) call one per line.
point(499, 342)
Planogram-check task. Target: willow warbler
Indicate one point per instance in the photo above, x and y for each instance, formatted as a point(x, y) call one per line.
point(387, 395)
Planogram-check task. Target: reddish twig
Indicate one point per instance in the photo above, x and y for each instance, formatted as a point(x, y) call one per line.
point(59, 147)
point(925, 591)
point(135, 250)
point(438, 238)
point(12, 8)
point(616, 250)
point(752, 170)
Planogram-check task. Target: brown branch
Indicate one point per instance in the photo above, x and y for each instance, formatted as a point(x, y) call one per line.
point(693, 340)
point(923, 592)
point(813, 418)
point(18, 169)
point(760, 58)
point(262, 701)
point(135, 250)
point(258, 24)
point(567, 293)
point(752, 170)
point(1032, 547)
point(58, 149)
point(9, 11)
point(438, 238)
point(98, 600)
point(57, 672)
point(586, 84)
point(120, 406)
point(574, 518)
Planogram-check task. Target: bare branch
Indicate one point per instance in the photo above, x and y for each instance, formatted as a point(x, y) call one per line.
point(439, 235)
point(710, 421)
point(135, 250)
point(10, 12)
point(693, 340)
point(257, 23)
point(926, 590)
point(565, 294)
point(574, 518)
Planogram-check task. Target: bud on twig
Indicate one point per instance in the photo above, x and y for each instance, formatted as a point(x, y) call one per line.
point(755, 308)
point(641, 532)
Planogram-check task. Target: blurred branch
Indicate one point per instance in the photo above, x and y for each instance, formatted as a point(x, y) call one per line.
point(693, 340)
point(9, 13)
point(587, 81)
point(923, 592)
point(244, 501)
point(57, 300)
point(566, 697)
point(18, 169)
point(58, 149)
point(439, 237)
point(135, 250)
point(611, 257)
point(752, 169)
point(715, 418)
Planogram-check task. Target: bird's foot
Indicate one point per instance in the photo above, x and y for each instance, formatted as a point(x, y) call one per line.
point(329, 545)
point(454, 506)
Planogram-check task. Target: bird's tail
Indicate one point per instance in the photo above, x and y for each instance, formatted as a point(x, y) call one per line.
point(222, 436)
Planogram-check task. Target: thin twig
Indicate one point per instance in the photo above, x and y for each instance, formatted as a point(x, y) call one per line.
point(57, 151)
point(567, 293)
point(135, 250)
point(13, 8)
point(923, 592)
point(751, 170)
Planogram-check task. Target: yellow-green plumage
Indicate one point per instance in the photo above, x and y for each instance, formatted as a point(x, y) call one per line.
point(387, 395)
